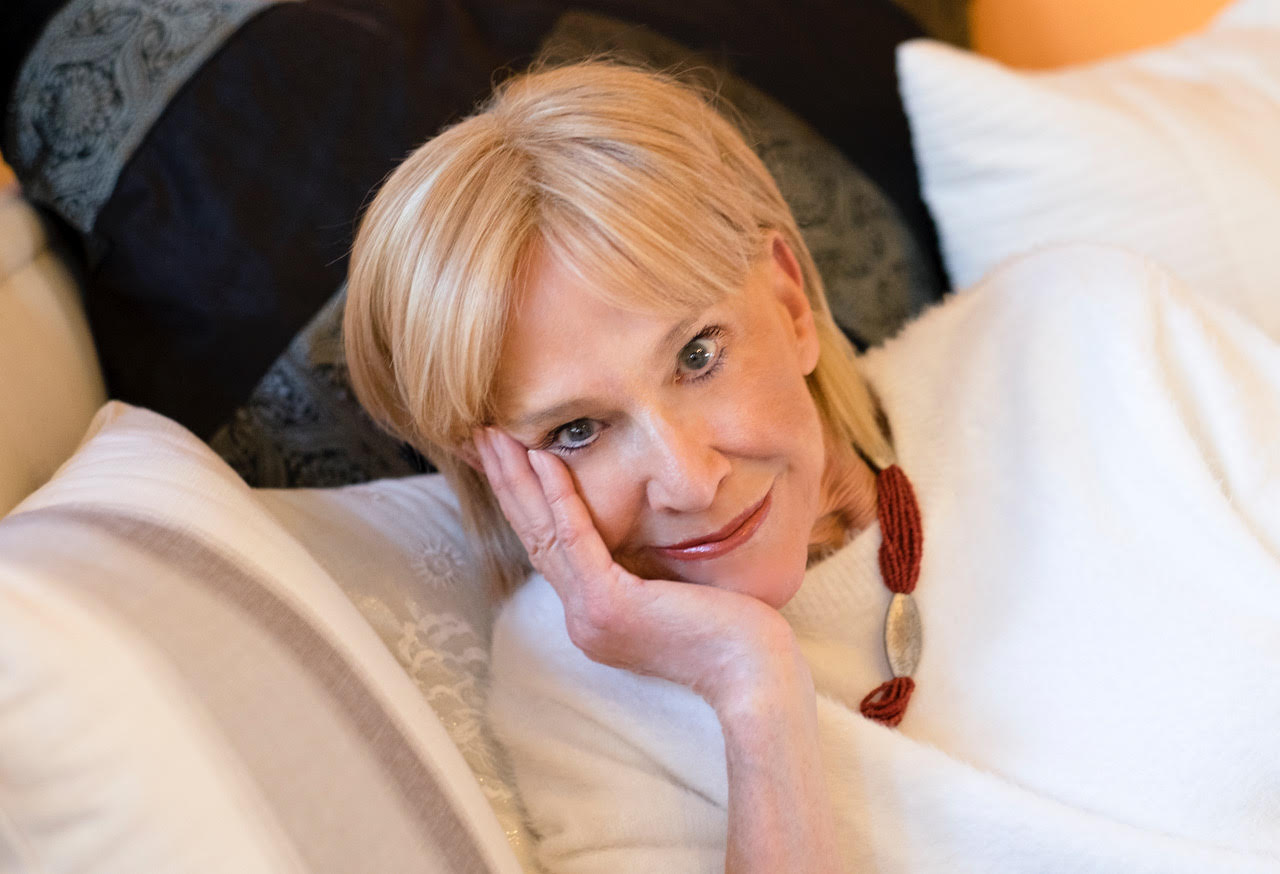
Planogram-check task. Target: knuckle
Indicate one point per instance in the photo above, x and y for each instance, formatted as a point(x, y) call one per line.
point(570, 539)
point(539, 542)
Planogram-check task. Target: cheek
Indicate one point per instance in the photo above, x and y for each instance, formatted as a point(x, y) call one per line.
point(809, 454)
point(616, 503)
point(786, 415)
point(779, 407)
point(610, 496)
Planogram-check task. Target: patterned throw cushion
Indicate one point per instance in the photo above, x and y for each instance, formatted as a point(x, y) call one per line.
point(105, 72)
point(187, 688)
point(302, 426)
point(213, 156)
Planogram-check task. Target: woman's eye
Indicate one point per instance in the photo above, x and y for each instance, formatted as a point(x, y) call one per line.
point(575, 434)
point(699, 354)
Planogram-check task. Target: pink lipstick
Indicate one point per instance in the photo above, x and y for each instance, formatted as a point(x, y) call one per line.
point(727, 539)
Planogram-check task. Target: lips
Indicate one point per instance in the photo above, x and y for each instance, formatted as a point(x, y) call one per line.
point(728, 538)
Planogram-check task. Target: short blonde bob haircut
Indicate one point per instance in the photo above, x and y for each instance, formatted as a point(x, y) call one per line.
point(628, 176)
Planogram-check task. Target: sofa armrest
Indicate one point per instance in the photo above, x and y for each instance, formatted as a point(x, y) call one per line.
point(50, 380)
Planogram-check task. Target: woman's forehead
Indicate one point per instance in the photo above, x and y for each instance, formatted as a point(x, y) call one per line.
point(568, 344)
point(651, 277)
point(561, 315)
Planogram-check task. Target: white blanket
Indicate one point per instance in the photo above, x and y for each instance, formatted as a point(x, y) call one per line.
point(1096, 451)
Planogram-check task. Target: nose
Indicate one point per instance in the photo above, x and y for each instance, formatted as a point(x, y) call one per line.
point(684, 468)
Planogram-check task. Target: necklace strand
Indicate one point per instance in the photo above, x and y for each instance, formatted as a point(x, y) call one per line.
point(902, 542)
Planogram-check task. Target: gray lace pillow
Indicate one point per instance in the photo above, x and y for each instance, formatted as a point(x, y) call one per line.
point(303, 427)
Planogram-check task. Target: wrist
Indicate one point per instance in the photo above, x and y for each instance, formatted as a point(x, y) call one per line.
point(780, 812)
point(770, 675)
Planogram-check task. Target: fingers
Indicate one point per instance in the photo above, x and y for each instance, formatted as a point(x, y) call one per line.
point(517, 488)
point(539, 499)
point(575, 530)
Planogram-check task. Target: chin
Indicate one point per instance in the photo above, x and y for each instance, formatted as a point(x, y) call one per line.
point(773, 578)
point(778, 587)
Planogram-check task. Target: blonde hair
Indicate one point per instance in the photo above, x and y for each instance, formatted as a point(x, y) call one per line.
point(629, 177)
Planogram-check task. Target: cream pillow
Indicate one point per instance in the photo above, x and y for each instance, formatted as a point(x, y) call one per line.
point(184, 688)
point(1171, 152)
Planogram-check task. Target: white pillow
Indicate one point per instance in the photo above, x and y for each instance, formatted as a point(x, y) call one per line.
point(1173, 152)
point(183, 688)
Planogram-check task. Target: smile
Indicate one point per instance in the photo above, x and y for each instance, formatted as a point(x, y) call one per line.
point(727, 539)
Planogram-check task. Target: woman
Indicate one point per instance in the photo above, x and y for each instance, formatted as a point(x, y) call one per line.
point(590, 307)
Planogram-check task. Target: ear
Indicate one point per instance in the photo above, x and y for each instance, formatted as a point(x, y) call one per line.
point(787, 281)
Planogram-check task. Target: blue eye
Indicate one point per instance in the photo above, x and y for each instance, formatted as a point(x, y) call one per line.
point(699, 357)
point(577, 434)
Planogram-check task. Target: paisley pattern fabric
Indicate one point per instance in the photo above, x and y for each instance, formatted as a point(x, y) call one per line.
point(96, 80)
point(302, 425)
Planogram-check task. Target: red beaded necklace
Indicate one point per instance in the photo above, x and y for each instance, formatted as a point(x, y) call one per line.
point(902, 541)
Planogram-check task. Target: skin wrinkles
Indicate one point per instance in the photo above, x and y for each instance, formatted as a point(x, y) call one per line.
point(678, 454)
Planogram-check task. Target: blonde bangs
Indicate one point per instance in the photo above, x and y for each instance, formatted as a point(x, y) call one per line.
point(447, 289)
point(639, 259)
point(639, 186)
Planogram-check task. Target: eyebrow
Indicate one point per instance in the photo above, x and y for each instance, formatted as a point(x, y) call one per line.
point(563, 409)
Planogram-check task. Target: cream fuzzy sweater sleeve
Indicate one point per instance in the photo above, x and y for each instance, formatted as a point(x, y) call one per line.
point(1096, 451)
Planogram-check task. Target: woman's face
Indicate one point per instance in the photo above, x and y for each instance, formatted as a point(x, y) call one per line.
point(693, 439)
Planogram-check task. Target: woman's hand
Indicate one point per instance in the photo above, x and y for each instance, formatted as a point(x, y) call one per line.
point(734, 650)
point(724, 645)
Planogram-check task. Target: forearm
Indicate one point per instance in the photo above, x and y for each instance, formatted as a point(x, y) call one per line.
point(780, 814)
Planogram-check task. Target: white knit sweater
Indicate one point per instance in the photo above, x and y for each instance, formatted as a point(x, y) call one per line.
point(1096, 452)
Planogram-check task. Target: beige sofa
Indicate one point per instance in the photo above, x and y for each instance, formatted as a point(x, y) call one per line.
point(50, 383)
